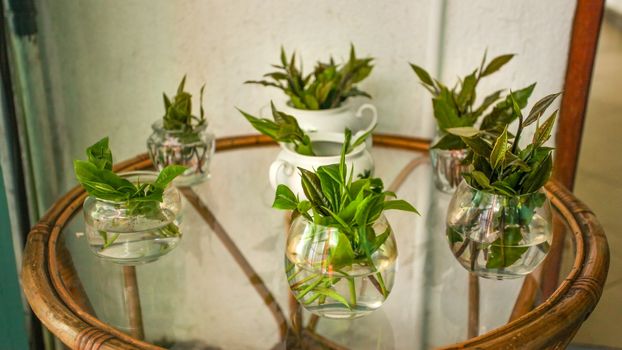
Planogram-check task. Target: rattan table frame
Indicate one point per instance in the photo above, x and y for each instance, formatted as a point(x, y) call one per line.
point(552, 324)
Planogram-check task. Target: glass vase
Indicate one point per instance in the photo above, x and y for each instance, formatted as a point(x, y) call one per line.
point(192, 149)
point(331, 276)
point(131, 234)
point(447, 166)
point(496, 236)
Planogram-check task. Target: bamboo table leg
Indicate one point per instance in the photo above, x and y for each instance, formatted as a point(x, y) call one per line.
point(132, 302)
point(473, 329)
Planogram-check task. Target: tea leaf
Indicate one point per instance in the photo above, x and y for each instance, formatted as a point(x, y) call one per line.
point(312, 188)
point(398, 204)
point(543, 133)
point(538, 109)
point(479, 146)
point(99, 154)
point(285, 199)
point(423, 75)
point(497, 156)
point(465, 131)
point(449, 141)
point(169, 173)
point(481, 179)
point(496, 64)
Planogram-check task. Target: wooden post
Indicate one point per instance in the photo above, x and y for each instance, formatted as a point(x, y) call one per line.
point(473, 330)
point(132, 302)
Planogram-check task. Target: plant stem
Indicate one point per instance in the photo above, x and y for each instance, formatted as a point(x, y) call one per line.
point(303, 281)
point(309, 288)
point(352, 291)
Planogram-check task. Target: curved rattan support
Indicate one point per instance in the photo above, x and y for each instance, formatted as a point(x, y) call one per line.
point(550, 325)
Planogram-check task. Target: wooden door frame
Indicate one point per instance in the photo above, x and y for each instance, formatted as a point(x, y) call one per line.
point(581, 57)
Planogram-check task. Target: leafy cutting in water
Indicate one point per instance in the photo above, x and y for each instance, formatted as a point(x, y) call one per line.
point(514, 174)
point(352, 207)
point(97, 178)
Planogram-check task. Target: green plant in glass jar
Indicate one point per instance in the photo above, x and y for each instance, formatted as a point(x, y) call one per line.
point(341, 255)
point(499, 218)
point(456, 107)
point(130, 217)
point(182, 138)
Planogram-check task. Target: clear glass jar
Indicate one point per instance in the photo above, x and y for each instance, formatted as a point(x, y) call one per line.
point(193, 149)
point(329, 278)
point(447, 166)
point(497, 236)
point(130, 235)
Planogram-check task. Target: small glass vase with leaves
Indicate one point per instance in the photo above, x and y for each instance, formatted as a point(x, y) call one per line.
point(499, 222)
point(182, 138)
point(455, 108)
point(321, 100)
point(341, 254)
point(131, 218)
point(300, 149)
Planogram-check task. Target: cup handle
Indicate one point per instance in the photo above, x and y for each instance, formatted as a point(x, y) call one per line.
point(374, 118)
point(273, 174)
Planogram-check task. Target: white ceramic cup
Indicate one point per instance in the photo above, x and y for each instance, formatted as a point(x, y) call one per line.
point(284, 170)
point(335, 119)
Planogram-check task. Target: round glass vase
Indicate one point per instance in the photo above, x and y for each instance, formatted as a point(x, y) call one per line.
point(331, 276)
point(192, 149)
point(497, 236)
point(134, 234)
point(447, 167)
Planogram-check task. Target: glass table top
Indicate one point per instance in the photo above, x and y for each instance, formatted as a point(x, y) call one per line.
point(224, 286)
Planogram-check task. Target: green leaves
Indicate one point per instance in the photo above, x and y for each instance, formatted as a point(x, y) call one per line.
point(178, 113)
point(168, 174)
point(98, 179)
point(497, 156)
point(455, 108)
point(399, 204)
point(99, 154)
point(334, 200)
point(499, 165)
point(326, 87)
point(284, 128)
point(496, 64)
point(285, 199)
point(539, 107)
point(423, 75)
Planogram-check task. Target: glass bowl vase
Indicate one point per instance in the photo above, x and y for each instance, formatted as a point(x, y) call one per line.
point(447, 167)
point(192, 149)
point(497, 236)
point(131, 234)
point(331, 279)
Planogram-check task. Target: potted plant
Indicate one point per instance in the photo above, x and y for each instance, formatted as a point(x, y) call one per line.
point(341, 254)
point(499, 218)
point(182, 138)
point(132, 217)
point(309, 150)
point(456, 107)
point(321, 100)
